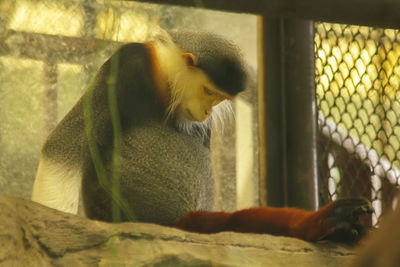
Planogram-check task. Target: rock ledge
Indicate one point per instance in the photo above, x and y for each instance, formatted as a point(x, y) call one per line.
point(34, 235)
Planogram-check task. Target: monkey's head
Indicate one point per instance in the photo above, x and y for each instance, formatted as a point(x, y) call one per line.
point(209, 70)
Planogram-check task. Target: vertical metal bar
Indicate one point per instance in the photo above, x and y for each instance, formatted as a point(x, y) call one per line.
point(289, 115)
point(272, 119)
point(301, 115)
point(261, 113)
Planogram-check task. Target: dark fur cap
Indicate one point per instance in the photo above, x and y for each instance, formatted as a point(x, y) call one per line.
point(218, 57)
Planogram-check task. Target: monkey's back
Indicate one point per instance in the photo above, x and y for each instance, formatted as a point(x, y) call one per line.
point(164, 174)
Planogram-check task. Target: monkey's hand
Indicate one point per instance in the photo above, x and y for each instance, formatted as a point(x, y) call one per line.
point(345, 220)
point(339, 221)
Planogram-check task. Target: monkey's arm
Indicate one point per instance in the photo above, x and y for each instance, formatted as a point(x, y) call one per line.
point(341, 217)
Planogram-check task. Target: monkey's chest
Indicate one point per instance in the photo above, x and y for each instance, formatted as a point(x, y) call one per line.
point(164, 174)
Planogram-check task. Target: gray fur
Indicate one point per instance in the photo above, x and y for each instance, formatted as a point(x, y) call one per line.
point(165, 174)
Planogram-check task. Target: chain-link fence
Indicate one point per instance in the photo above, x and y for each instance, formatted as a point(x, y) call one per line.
point(358, 98)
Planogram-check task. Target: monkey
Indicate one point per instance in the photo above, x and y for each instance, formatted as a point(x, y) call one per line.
point(153, 88)
point(212, 74)
point(136, 145)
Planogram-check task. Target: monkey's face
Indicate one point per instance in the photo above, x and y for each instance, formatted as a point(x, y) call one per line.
point(200, 96)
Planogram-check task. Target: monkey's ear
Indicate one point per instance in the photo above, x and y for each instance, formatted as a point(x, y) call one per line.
point(190, 59)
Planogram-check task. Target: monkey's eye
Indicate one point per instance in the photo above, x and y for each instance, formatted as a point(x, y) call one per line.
point(207, 91)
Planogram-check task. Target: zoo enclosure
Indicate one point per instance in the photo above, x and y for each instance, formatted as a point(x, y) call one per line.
point(350, 145)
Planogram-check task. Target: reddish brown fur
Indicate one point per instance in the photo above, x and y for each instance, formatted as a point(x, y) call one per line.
point(310, 226)
point(161, 86)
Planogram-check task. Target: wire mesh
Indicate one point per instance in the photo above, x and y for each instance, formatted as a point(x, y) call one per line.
point(358, 97)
